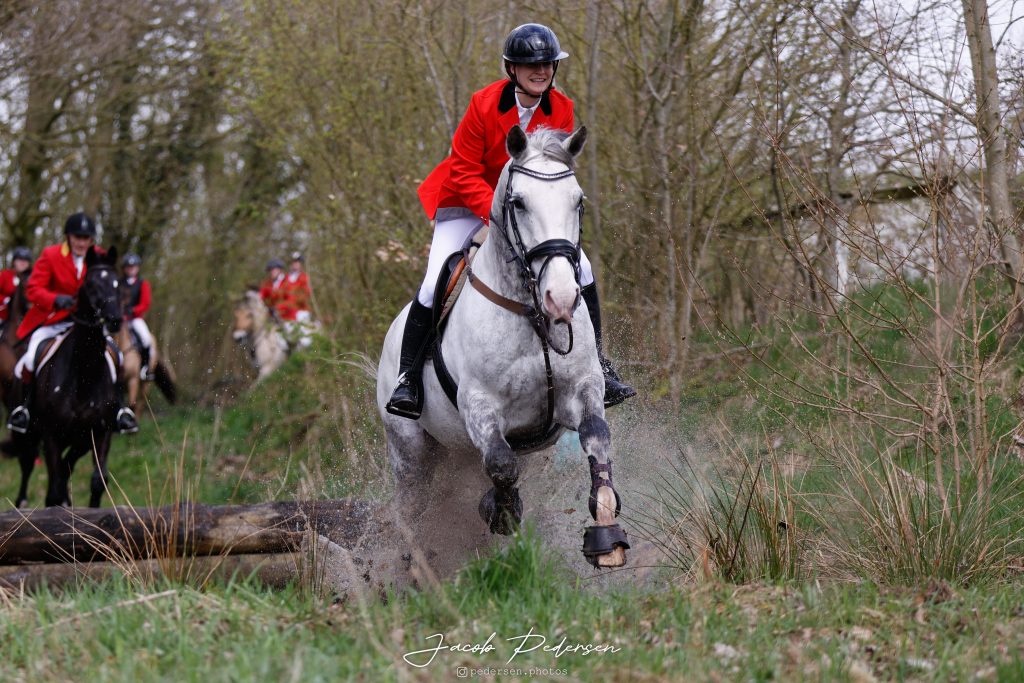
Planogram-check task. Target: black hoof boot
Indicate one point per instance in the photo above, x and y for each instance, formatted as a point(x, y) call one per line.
point(407, 399)
point(503, 512)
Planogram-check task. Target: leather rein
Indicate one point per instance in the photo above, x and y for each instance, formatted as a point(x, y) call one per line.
point(547, 250)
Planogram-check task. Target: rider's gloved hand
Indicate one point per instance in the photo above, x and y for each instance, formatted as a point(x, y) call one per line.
point(63, 302)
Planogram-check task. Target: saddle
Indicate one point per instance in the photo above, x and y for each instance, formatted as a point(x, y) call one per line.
point(48, 349)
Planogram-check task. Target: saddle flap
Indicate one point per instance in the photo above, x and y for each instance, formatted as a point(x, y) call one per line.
point(452, 278)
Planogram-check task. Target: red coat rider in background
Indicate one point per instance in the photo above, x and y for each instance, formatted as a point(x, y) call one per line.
point(458, 194)
point(52, 290)
point(137, 296)
point(296, 284)
point(10, 278)
point(273, 290)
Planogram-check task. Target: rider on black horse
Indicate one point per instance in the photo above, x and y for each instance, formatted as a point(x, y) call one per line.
point(52, 290)
point(457, 194)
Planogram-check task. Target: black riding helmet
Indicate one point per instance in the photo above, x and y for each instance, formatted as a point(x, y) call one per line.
point(131, 260)
point(80, 224)
point(532, 44)
point(23, 253)
point(275, 263)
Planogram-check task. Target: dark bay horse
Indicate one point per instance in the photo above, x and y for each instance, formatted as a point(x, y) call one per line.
point(9, 347)
point(75, 396)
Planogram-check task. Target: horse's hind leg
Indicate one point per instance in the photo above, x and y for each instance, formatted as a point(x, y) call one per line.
point(412, 454)
point(501, 507)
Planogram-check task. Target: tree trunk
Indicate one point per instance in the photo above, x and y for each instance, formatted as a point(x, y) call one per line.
point(993, 138)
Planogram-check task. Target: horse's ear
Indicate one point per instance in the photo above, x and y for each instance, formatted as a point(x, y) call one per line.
point(112, 256)
point(515, 142)
point(574, 143)
point(90, 257)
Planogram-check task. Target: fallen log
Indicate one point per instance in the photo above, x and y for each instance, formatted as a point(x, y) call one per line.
point(85, 535)
point(274, 570)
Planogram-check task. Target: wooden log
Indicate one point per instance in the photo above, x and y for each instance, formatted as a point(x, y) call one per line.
point(274, 570)
point(83, 535)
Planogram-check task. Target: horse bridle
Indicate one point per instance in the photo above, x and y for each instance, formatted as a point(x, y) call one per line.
point(97, 320)
point(547, 250)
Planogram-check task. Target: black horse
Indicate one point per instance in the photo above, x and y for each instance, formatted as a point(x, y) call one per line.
point(75, 399)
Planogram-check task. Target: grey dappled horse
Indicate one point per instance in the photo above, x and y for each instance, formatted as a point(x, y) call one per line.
point(513, 395)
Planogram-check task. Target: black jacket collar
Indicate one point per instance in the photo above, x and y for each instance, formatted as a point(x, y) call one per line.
point(508, 99)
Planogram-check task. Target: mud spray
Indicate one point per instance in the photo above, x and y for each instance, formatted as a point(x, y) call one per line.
point(554, 485)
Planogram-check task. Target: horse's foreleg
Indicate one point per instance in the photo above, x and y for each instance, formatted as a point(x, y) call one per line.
point(27, 460)
point(98, 485)
point(604, 544)
point(57, 471)
point(501, 507)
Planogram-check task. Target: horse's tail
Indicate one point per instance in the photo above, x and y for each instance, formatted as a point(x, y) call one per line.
point(164, 381)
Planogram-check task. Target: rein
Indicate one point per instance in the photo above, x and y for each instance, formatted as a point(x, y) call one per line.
point(547, 250)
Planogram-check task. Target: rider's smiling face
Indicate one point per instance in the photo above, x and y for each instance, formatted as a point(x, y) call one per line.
point(80, 244)
point(534, 78)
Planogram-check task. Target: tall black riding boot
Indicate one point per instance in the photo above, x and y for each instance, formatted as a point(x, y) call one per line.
point(144, 373)
point(20, 417)
point(407, 400)
point(615, 390)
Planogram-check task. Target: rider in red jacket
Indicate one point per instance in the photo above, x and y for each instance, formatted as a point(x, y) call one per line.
point(52, 290)
point(458, 194)
point(10, 278)
point(137, 297)
point(274, 292)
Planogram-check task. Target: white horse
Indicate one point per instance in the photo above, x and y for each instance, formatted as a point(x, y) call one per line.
point(255, 331)
point(506, 394)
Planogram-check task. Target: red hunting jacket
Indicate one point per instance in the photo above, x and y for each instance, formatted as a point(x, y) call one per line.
point(8, 285)
point(53, 274)
point(139, 298)
point(275, 295)
point(468, 176)
point(298, 293)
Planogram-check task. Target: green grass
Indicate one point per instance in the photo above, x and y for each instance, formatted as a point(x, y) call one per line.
point(240, 631)
point(312, 430)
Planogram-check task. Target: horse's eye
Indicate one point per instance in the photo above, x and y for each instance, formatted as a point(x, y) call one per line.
point(517, 202)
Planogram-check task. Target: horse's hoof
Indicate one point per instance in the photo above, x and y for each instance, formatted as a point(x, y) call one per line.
point(605, 546)
point(21, 504)
point(503, 512)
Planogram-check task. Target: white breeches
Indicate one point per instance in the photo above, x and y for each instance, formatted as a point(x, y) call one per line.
point(449, 237)
point(41, 334)
point(140, 328)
